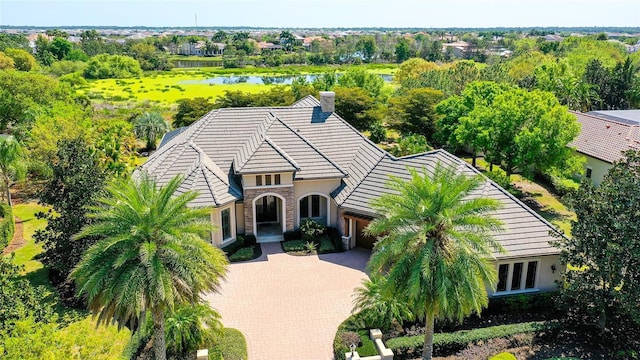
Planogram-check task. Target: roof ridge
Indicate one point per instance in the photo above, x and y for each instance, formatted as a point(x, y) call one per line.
point(577, 113)
point(281, 152)
point(257, 136)
point(204, 160)
point(310, 144)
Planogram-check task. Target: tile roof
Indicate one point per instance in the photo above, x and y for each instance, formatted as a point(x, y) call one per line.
point(603, 138)
point(526, 234)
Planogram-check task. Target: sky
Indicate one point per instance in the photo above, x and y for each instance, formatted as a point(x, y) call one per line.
point(326, 13)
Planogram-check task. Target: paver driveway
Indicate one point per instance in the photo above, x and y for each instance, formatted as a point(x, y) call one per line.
point(289, 307)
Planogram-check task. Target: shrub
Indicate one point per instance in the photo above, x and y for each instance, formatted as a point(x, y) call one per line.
point(230, 346)
point(73, 79)
point(234, 246)
point(310, 229)
point(7, 226)
point(292, 235)
point(310, 246)
point(455, 341)
point(294, 245)
point(503, 356)
point(326, 245)
point(244, 254)
point(335, 237)
point(105, 66)
point(250, 239)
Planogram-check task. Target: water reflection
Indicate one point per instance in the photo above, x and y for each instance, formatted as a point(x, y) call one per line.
point(263, 80)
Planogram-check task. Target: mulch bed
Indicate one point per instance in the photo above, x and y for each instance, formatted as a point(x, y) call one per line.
point(18, 238)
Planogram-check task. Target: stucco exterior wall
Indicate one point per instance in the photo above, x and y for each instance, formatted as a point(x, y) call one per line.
point(303, 188)
point(239, 218)
point(598, 167)
point(250, 180)
point(216, 221)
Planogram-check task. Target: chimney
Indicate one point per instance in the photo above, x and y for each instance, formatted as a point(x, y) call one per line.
point(327, 101)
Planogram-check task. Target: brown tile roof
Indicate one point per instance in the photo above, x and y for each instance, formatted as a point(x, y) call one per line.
point(605, 139)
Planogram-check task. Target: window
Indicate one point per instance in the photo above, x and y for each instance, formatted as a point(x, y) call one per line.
point(226, 224)
point(503, 272)
point(531, 275)
point(315, 206)
point(589, 171)
point(512, 277)
point(516, 278)
point(258, 180)
point(267, 180)
point(304, 207)
point(276, 179)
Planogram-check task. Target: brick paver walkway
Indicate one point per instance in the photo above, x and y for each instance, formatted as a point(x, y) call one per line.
point(289, 307)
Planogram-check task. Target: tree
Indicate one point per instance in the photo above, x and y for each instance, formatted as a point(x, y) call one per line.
point(403, 52)
point(6, 62)
point(106, 66)
point(22, 59)
point(60, 47)
point(367, 45)
point(414, 111)
point(149, 127)
point(435, 245)
point(352, 105)
point(152, 256)
point(190, 110)
point(11, 164)
point(411, 144)
point(76, 182)
point(603, 252)
point(371, 83)
point(412, 69)
point(376, 308)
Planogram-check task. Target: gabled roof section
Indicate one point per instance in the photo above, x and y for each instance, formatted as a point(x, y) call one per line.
point(605, 139)
point(307, 101)
point(260, 154)
point(526, 233)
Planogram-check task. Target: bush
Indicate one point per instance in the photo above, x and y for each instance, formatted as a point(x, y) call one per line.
point(452, 342)
point(346, 330)
point(105, 66)
point(335, 237)
point(563, 186)
point(244, 254)
point(294, 245)
point(326, 245)
point(292, 235)
point(310, 229)
point(234, 246)
point(230, 346)
point(73, 79)
point(7, 226)
point(503, 356)
point(250, 239)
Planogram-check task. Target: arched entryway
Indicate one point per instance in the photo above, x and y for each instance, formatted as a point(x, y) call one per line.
point(269, 217)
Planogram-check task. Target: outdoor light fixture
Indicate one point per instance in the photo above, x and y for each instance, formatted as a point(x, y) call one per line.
point(553, 268)
point(353, 348)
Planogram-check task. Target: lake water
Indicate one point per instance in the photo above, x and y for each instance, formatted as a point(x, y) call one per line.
point(263, 80)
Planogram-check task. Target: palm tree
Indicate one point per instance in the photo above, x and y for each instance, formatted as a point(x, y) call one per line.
point(435, 245)
point(11, 164)
point(191, 328)
point(152, 256)
point(150, 126)
point(377, 308)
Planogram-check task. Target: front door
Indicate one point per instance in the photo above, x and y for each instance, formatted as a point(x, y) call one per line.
point(267, 209)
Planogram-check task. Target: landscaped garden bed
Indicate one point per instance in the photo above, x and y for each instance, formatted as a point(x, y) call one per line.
point(245, 248)
point(312, 238)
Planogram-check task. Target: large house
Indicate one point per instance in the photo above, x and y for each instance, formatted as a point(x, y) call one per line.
point(263, 170)
point(604, 135)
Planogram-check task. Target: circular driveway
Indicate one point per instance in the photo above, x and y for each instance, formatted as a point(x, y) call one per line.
point(289, 307)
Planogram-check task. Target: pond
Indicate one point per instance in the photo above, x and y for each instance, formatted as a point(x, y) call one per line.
point(263, 80)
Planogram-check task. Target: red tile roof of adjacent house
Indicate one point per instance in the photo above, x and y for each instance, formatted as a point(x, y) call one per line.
point(605, 139)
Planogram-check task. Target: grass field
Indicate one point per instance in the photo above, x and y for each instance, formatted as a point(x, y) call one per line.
point(168, 87)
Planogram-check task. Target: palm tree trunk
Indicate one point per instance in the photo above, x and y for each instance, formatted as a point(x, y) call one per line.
point(427, 351)
point(159, 345)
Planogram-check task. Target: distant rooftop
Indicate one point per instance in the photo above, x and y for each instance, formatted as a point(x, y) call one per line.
point(629, 117)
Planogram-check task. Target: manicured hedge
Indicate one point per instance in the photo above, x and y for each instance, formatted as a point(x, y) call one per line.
point(292, 235)
point(294, 245)
point(243, 249)
point(7, 226)
point(243, 254)
point(409, 346)
point(231, 346)
point(326, 245)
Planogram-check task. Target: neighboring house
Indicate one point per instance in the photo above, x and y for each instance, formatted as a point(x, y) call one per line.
point(200, 49)
point(604, 135)
point(458, 48)
point(263, 170)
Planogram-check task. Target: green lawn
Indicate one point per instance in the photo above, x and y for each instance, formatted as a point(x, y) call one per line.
point(80, 339)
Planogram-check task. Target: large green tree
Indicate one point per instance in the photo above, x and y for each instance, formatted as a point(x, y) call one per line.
point(435, 245)
point(152, 257)
point(12, 166)
point(150, 127)
point(603, 252)
point(190, 110)
point(414, 111)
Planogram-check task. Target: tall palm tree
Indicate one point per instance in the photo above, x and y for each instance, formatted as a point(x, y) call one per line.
point(150, 126)
point(152, 256)
point(11, 164)
point(435, 245)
